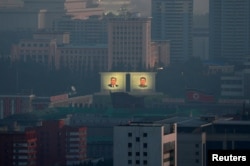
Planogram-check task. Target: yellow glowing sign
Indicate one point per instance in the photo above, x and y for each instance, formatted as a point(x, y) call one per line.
point(114, 81)
point(142, 81)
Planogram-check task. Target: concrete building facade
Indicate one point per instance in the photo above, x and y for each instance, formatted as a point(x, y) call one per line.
point(14, 104)
point(229, 30)
point(83, 32)
point(18, 148)
point(53, 50)
point(51, 143)
point(129, 43)
point(173, 20)
point(145, 144)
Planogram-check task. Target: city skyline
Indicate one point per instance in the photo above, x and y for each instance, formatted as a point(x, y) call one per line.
point(200, 6)
point(80, 86)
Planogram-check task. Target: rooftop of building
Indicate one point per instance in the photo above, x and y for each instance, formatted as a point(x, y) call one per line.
point(231, 122)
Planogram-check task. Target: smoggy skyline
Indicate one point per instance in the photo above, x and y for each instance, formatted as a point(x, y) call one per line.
point(200, 6)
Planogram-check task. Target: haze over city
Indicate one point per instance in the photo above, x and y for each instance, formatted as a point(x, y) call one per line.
point(124, 82)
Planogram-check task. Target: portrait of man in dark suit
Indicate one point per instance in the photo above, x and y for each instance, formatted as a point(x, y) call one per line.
point(143, 81)
point(113, 81)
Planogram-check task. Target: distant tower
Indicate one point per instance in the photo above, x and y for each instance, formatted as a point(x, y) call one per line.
point(229, 29)
point(172, 20)
point(129, 43)
point(42, 19)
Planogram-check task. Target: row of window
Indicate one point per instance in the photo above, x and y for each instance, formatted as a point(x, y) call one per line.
point(145, 145)
point(127, 53)
point(126, 58)
point(130, 44)
point(136, 38)
point(145, 154)
point(232, 89)
point(34, 51)
point(33, 56)
point(231, 82)
point(138, 162)
point(34, 45)
point(74, 58)
point(93, 51)
point(83, 68)
point(129, 27)
point(137, 138)
point(127, 33)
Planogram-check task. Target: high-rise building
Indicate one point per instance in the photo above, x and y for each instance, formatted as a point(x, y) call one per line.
point(58, 143)
point(88, 31)
point(52, 143)
point(229, 29)
point(129, 43)
point(145, 144)
point(172, 20)
point(18, 148)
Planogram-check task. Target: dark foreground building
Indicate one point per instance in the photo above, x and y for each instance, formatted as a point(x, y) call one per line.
point(52, 143)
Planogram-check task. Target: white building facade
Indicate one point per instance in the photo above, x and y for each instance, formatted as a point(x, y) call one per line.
point(145, 144)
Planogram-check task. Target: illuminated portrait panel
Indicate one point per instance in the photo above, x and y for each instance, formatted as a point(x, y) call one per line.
point(113, 81)
point(142, 81)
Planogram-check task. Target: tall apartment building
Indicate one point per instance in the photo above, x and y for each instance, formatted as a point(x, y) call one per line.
point(236, 84)
point(60, 144)
point(232, 86)
point(172, 20)
point(187, 145)
point(129, 43)
point(18, 148)
point(100, 132)
point(83, 59)
point(145, 144)
point(89, 31)
point(229, 29)
point(52, 143)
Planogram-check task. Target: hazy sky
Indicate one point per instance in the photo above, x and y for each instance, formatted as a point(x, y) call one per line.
point(200, 6)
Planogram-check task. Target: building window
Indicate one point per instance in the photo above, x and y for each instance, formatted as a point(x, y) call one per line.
point(129, 161)
point(129, 153)
point(137, 139)
point(145, 162)
point(196, 145)
point(129, 134)
point(145, 134)
point(145, 145)
point(197, 161)
point(129, 145)
point(137, 153)
point(145, 153)
point(137, 162)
